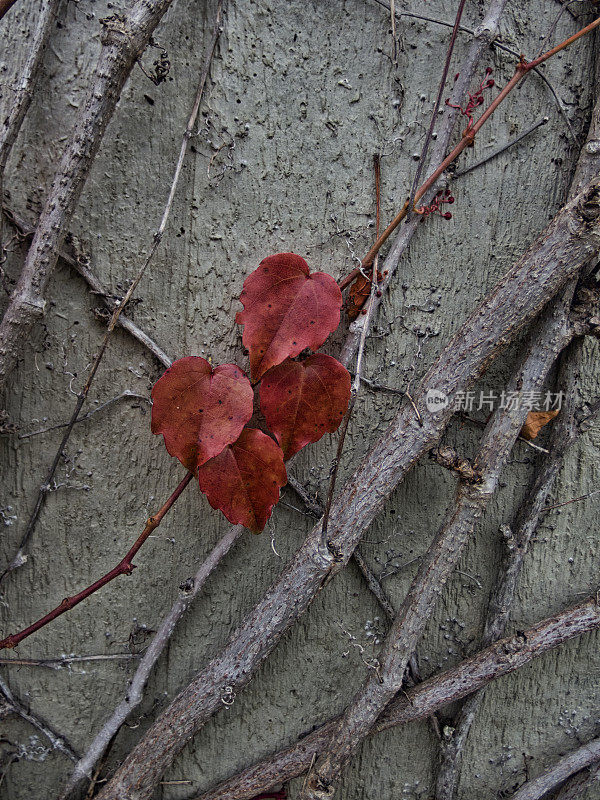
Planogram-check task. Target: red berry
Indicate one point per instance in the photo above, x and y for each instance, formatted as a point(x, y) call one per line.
point(447, 215)
point(450, 199)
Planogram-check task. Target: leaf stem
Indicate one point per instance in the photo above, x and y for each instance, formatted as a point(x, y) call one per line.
point(124, 567)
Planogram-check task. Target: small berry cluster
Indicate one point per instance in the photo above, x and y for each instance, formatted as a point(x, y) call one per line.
point(475, 100)
point(443, 196)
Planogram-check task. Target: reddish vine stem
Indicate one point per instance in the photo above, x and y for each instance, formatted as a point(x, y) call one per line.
point(467, 139)
point(124, 567)
point(436, 107)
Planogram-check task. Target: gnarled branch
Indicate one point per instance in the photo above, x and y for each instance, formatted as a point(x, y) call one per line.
point(564, 433)
point(11, 124)
point(124, 39)
point(501, 658)
point(570, 241)
point(551, 335)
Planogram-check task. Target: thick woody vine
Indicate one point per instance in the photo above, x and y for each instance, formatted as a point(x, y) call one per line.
point(257, 332)
point(234, 435)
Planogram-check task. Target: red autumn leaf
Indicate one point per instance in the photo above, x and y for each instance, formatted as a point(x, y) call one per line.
point(286, 309)
point(244, 480)
point(303, 400)
point(199, 410)
point(359, 294)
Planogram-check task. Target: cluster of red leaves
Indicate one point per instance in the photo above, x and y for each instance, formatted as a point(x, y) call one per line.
point(476, 99)
point(202, 412)
point(443, 196)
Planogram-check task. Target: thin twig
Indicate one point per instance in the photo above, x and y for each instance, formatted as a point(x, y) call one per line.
point(436, 106)
point(124, 567)
point(393, 22)
point(82, 268)
point(481, 424)
point(125, 395)
point(379, 387)
point(377, 590)
point(95, 778)
point(57, 741)
point(358, 369)
point(502, 149)
point(373, 584)
point(573, 500)
point(552, 29)
point(135, 692)
point(566, 4)
point(61, 661)
point(19, 558)
point(312, 504)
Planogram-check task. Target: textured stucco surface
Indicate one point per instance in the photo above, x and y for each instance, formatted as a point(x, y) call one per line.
point(301, 96)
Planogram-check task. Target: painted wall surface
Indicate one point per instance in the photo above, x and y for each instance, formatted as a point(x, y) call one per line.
point(301, 95)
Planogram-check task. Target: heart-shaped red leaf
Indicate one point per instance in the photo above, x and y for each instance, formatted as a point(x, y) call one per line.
point(303, 400)
point(199, 410)
point(286, 309)
point(244, 480)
